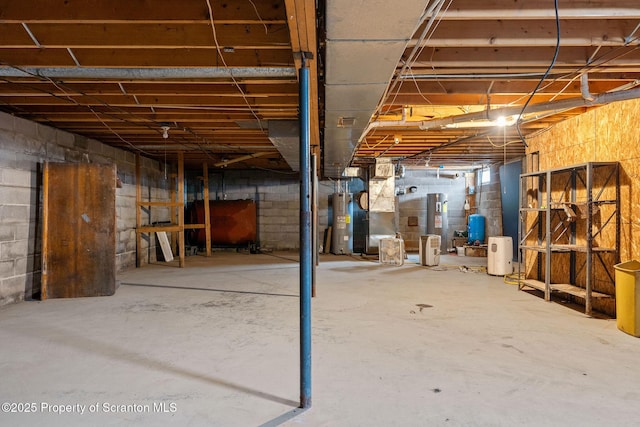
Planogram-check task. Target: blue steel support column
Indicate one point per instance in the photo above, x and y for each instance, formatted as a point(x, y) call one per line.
point(305, 238)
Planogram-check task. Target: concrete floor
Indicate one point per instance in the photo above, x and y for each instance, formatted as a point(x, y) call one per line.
point(217, 344)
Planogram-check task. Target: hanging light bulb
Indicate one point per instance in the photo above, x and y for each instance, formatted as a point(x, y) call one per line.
point(165, 132)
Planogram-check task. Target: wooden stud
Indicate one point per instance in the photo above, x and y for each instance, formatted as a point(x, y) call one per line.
point(205, 197)
point(172, 211)
point(181, 209)
point(45, 231)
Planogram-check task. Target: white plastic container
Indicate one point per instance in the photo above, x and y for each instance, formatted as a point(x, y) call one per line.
point(500, 255)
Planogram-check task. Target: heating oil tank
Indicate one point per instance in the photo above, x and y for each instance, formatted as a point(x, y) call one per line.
point(437, 218)
point(342, 226)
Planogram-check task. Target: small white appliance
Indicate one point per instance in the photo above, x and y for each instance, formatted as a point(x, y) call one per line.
point(429, 250)
point(391, 251)
point(500, 255)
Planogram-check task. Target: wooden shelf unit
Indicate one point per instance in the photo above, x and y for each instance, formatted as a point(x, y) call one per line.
point(566, 214)
point(175, 204)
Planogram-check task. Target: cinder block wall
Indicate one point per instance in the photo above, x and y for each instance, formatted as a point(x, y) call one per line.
point(277, 195)
point(489, 202)
point(24, 146)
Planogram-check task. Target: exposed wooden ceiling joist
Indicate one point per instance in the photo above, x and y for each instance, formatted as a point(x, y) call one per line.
point(492, 54)
point(214, 70)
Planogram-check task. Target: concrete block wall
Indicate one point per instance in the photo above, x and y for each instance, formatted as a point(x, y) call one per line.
point(24, 147)
point(277, 198)
point(489, 202)
point(415, 204)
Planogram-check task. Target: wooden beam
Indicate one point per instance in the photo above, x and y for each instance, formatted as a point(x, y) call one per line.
point(301, 16)
point(194, 226)
point(44, 280)
point(22, 88)
point(148, 36)
point(181, 210)
point(204, 57)
point(518, 57)
point(239, 159)
point(497, 33)
point(506, 87)
point(156, 228)
point(155, 101)
point(168, 204)
point(506, 10)
point(475, 99)
point(172, 211)
point(205, 199)
point(114, 11)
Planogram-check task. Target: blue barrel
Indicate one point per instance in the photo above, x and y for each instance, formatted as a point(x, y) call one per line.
point(476, 228)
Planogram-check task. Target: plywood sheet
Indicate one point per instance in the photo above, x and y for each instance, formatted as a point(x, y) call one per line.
point(608, 133)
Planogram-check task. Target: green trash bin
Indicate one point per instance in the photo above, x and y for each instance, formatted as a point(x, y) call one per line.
point(627, 299)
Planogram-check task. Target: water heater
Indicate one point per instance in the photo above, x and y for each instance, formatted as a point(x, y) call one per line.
point(341, 232)
point(437, 219)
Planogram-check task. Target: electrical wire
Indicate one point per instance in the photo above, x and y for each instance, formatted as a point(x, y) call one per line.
point(275, 171)
point(69, 98)
point(266, 30)
point(544, 76)
point(224, 63)
point(515, 141)
point(575, 74)
point(396, 84)
point(147, 123)
point(514, 278)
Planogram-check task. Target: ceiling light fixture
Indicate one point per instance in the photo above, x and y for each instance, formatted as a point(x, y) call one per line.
point(500, 121)
point(165, 130)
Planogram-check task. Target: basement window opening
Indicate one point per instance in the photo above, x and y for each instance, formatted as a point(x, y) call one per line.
point(485, 176)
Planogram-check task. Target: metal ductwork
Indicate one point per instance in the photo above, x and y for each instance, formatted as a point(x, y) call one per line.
point(149, 73)
point(364, 43)
point(551, 106)
point(285, 136)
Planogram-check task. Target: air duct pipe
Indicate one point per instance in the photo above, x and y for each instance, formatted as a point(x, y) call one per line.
point(559, 105)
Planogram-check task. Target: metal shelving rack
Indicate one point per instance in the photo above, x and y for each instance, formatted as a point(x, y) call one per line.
point(557, 209)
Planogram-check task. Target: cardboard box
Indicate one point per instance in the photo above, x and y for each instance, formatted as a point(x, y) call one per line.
point(477, 251)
